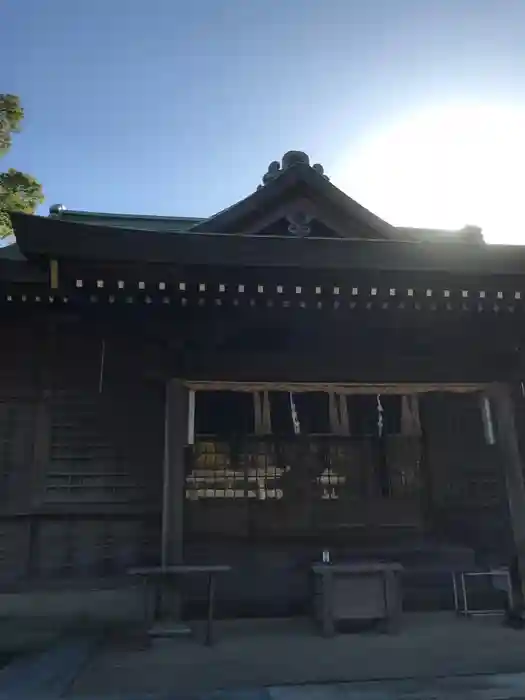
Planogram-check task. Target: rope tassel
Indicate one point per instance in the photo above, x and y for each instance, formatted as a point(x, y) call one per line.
point(380, 411)
point(295, 417)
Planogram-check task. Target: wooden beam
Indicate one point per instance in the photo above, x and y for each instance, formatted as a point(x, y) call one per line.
point(42, 236)
point(176, 436)
point(53, 274)
point(342, 388)
point(507, 438)
point(45, 334)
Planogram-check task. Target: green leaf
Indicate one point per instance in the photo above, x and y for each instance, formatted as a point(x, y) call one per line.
point(5, 225)
point(11, 116)
point(18, 191)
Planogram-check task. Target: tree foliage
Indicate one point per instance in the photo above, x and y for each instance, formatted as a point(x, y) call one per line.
point(18, 191)
point(11, 115)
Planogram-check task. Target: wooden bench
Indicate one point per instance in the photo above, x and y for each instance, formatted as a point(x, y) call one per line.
point(157, 578)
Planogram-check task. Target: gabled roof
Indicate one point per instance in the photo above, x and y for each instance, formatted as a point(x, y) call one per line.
point(468, 234)
point(296, 179)
point(43, 238)
point(12, 252)
point(291, 188)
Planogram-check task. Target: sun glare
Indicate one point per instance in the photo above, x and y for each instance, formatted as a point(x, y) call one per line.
point(445, 168)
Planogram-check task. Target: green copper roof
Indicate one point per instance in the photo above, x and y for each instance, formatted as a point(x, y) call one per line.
point(135, 221)
point(287, 183)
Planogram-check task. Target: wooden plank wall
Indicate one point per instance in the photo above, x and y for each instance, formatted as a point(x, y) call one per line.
point(466, 478)
point(81, 449)
point(463, 508)
point(18, 420)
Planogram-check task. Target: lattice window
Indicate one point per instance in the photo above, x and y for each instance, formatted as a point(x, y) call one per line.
point(84, 466)
point(295, 485)
point(348, 470)
point(403, 463)
point(309, 473)
point(258, 460)
point(339, 467)
point(225, 470)
point(466, 471)
point(331, 482)
point(261, 469)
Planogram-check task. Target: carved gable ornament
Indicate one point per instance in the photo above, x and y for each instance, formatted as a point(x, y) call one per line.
point(289, 159)
point(297, 199)
point(298, 220)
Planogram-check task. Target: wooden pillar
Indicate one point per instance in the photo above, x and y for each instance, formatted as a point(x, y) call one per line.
point(175, 441)
point(507, 439)
point(45, 338)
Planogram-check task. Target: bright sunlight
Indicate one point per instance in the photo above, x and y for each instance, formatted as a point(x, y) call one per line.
point(445, 168)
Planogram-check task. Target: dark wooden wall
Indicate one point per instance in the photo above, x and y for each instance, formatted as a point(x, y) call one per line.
point(81, 449)
point(466, 485)
point(460, 516)
point(82, 438)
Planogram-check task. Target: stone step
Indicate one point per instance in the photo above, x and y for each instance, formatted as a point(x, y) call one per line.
point(48, 673)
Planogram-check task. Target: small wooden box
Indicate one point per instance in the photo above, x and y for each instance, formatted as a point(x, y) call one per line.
point(356, 591)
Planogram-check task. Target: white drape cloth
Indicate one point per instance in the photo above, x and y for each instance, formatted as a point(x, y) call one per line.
point(261, 413)
point(410, 422)
point(338, 414)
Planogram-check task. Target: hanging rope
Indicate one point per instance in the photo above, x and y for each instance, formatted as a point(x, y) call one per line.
point(295, 417)
point(486, 417)
point(380, 411)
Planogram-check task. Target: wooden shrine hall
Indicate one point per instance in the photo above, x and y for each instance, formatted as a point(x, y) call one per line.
point(289, 376)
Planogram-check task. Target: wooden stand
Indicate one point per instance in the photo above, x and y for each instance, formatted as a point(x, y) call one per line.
point(360, 591)
point(157, 579)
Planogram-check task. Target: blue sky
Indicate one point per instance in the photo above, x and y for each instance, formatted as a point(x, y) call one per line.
point(176, 108)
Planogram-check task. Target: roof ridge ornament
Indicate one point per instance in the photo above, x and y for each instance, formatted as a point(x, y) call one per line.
point(472, 233)
point(56, 209)
point(289, 160)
